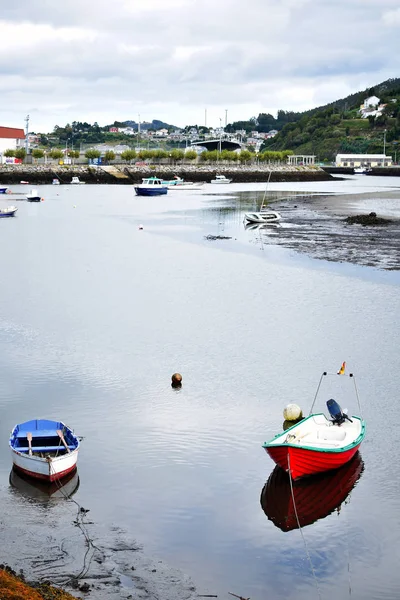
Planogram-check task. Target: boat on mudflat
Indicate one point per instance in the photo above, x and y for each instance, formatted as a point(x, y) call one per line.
point(151, 186)
point(313, 498)
point(44, 449)
point(317, 443)
point(263, 216)
point(8, 211)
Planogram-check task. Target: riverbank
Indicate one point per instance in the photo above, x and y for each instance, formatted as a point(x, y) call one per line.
point(131, 174)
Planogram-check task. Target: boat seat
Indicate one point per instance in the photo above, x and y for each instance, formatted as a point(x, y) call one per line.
point(44, 433)
point(44, 448)
point(332, 434)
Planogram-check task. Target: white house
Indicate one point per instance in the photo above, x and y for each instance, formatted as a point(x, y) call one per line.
point(363, 160)
point(11, 138)
point(372, 102)
point(161, 133)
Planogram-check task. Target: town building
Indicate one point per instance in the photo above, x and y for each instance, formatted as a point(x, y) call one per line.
point(11, 138)
point(363, 160)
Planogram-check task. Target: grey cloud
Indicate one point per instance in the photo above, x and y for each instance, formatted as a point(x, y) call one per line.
point(249, 54)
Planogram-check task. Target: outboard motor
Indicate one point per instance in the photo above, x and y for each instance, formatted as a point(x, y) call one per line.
point(338, 416)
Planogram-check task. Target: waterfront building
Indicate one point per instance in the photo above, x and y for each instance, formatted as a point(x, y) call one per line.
point(363, 160)
point(11, 138)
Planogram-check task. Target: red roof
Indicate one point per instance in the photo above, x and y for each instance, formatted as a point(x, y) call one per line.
point(11, 133)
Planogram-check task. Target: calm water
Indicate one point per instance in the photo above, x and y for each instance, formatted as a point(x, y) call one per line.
point(96, 316)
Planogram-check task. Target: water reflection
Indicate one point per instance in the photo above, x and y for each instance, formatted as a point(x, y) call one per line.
point(34, 489)
point(315, 497)
point(253, 226)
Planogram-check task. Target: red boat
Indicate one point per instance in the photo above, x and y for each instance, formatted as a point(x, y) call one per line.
point(317, 444)
point(315, 497)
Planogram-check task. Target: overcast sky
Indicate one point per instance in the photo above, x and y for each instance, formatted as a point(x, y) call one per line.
point(101, 60)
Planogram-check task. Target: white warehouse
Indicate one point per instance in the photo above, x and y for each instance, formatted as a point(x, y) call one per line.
point(363, 160)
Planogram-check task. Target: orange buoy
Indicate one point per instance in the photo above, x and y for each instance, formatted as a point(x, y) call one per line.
point(176, 380)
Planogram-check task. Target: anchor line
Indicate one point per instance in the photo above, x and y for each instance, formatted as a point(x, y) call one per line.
point(301, 531)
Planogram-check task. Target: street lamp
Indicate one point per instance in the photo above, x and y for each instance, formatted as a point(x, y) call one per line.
point(384, 142)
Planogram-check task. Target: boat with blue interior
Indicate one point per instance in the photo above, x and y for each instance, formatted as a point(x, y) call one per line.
point(151, 186)
point(44, 449)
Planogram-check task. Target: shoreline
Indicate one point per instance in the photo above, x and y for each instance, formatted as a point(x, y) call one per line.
point(133, 174)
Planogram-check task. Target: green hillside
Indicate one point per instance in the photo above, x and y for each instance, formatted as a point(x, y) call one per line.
point(337, 127)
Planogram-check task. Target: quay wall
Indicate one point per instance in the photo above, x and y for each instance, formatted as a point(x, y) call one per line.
point(128, 175)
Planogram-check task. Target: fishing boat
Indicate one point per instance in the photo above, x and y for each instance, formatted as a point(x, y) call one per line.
point(55, 181)
point(76, 181)
point(221, 179)
point(313, 498)
point(44, 449)
point(151, 186)
point(317, 443)
point(38, 490)
point(8, 211)
point(360, 171)
point(33, 196)
point(3, 190)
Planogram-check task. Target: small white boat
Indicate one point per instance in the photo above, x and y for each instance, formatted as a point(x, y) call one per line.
point(264, 216)
point(33, 196)
point(55, 181)
point(360, 170)
point(76, 181)
point(44, 449)
point(8, 211)
point(221, 179)
point(186, 185)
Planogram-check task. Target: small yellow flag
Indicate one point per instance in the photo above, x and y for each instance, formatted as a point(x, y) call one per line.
point(342, 369)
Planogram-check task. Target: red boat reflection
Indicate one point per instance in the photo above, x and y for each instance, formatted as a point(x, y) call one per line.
point(35, 489)
point(315, 497)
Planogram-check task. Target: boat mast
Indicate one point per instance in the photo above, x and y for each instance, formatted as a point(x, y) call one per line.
point(265, 193)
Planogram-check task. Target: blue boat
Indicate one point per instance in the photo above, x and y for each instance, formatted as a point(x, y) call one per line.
point(44, 449)
point(9, 211)
point(3, 190)
point(151, 186)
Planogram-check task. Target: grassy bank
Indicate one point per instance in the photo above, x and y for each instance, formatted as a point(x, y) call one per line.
point(14, 587)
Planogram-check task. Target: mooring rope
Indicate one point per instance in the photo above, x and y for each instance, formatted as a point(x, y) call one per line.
point(301, 532)
point(81, 512)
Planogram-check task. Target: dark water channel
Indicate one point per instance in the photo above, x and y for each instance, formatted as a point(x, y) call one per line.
point(95, 317)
